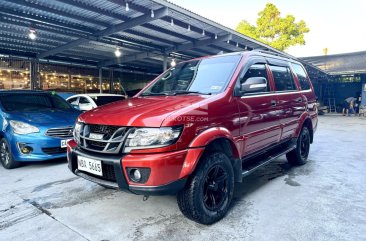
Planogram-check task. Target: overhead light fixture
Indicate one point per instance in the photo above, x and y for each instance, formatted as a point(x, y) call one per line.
point(173, 63)
point(118, 52)
point(152, 13)
point(32, 34)
point(203, 32)
point(172, 22)
point(189, 27)
point(216, 36)
point(127, 7)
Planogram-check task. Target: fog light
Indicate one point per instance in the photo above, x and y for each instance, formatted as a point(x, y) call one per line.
point(138, 175)
point(24, 149)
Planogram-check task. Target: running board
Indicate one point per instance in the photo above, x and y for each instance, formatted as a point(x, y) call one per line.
point(266, 159)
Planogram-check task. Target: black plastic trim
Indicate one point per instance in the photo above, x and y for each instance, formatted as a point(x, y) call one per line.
point(168, 189)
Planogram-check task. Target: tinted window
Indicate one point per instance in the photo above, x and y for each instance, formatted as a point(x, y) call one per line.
point(256, 70)
point(83, 100)
point(73, 101)
point(209, 75)
point(283, 78)
point(32, 102)
point(102, 100)
point(301, 75)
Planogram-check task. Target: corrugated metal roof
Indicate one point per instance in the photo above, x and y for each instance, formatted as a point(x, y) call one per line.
point(59, 23)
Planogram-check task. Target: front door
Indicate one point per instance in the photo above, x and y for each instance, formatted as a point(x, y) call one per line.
point(259, 123)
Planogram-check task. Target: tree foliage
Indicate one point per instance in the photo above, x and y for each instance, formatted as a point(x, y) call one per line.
point(272, 29)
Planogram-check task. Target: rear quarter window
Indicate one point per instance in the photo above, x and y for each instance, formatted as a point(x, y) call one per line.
point(301, 75)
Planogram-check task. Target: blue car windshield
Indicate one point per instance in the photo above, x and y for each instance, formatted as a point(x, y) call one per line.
point(206, 76)
point(32, 102)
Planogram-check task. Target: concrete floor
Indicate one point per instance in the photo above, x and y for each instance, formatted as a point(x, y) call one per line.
point(323, 200)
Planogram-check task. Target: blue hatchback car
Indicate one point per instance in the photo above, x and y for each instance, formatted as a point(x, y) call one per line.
point(35, 126)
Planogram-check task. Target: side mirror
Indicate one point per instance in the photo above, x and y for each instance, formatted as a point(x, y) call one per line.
point(76, 107)
point(254, 85)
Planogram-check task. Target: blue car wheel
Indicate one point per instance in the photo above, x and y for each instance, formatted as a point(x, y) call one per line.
point(6, 157)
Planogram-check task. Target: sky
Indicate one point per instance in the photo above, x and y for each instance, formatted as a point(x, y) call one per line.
point(339, 25)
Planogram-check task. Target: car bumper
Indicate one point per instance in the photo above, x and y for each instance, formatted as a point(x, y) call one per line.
point(164, 177)
point(44, 147)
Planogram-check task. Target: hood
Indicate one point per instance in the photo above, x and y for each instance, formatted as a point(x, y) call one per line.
point(139, 111)
point(46, 118)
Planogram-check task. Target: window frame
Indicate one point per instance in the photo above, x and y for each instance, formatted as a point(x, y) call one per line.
point(244, 69)
point(284, 64)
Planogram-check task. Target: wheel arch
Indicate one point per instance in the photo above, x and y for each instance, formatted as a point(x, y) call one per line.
point(214, 139)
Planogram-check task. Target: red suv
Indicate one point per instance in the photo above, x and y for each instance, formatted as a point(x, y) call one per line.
point(197, 129)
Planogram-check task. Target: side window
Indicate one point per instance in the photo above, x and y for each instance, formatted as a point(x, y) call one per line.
point(256, 70)
point(301, 75)
point(283, 78)
point(73, 101)
point(83, 100)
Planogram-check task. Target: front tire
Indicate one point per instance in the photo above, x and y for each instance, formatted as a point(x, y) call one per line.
point(6, 158)
point(209, 191)
point(299, 156)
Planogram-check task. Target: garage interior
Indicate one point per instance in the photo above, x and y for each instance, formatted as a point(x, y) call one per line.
point(107, 46)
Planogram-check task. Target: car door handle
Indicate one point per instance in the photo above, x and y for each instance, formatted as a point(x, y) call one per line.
point(299, 99)
point(273, 102)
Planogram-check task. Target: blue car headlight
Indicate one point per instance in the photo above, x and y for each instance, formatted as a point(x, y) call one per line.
point(22, 128)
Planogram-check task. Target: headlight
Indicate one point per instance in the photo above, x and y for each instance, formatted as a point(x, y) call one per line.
point(142, 138)
point(22, 128)
point(77, 130)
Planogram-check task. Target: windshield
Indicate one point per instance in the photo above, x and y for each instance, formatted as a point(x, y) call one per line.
point(102, 100)
point(32, 102)
point(205, 76)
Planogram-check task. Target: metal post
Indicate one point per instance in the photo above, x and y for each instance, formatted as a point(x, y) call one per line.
point(165, 62)
point(33, 74)
point(111, 81)
point(100, 80)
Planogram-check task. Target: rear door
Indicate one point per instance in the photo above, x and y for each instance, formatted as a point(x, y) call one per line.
point(291, 103)
point(259, 123)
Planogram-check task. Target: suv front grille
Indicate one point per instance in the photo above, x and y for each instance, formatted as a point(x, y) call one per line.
point(102, 138)
point(64, 132)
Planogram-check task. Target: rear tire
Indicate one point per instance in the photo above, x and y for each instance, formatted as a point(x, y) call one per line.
point(209, 191)
point(6, 158)
point(299, 156)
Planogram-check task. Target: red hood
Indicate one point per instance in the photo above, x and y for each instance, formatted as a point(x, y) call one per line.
point(139, 111)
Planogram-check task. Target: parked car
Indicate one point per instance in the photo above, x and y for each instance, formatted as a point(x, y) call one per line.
point(90, 101)
point(198, 128)
point(35, 126)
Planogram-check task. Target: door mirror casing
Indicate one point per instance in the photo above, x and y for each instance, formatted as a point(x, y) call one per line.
point(254, 85)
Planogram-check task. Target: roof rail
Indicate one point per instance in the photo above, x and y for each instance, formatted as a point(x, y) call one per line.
point(275, 53)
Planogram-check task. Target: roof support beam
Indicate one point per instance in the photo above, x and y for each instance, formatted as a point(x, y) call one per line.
point(108, 31)
point(183, 47)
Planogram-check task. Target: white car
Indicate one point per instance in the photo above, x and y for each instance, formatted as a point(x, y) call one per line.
point(86, 102)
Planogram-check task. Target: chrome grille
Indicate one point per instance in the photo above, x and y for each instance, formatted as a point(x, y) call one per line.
point(111, 138)
point(63, 132)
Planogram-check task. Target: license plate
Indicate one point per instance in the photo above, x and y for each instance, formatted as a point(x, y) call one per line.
point(64, 143)
point(90, 165)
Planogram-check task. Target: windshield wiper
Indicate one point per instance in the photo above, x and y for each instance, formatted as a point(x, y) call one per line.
point(183, 92)
point(153, 94)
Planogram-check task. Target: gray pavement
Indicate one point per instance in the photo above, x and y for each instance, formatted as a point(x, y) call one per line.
point(323, 200)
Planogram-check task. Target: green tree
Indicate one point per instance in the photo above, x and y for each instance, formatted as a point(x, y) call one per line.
point(271, 29)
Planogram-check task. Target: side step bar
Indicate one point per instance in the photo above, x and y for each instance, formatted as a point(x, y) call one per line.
point(266, 159)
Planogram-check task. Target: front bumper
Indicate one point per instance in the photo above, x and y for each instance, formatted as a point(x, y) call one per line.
point(44, 147)
point(164, 178)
